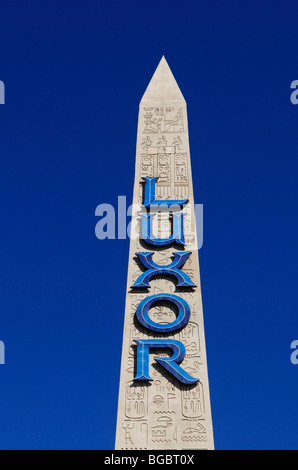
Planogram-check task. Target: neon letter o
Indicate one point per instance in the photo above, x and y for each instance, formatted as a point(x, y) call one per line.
point(181, 320)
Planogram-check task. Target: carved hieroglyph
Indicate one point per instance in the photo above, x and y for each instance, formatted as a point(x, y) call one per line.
point(164, 413)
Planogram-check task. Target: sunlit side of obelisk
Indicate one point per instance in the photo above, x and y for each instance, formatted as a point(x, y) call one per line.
point(164, 400)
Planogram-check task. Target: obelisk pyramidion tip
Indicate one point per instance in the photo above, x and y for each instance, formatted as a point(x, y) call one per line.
point(163, 86)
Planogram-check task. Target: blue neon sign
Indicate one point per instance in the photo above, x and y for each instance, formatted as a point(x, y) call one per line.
point(172, 268)
point(181, 320)
point(171, 364)
point(151, 239)
point(149, 195)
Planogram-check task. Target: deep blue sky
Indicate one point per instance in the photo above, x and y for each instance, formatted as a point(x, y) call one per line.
point(74, 74)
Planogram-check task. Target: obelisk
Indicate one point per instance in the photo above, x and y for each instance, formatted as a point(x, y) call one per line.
point(164, 400)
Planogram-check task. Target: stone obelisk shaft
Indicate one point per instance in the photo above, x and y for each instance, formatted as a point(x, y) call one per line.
point(164, 413)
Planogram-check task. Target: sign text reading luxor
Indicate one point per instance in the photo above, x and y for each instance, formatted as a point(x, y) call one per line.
point(171, 364)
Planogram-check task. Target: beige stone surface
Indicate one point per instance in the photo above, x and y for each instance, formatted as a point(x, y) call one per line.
point(164, 413)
